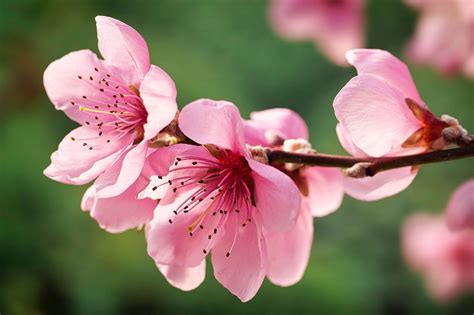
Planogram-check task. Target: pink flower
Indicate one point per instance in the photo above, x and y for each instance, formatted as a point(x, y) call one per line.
point(321, 187)
point(444, 258)
point(334, 25)
point(460, 209)
point(216, 198)
point(121, 103)
point(444, 36)
point(381, 114)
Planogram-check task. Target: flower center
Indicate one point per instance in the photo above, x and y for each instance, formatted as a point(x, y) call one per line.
point(216, 187)
point(115, 109)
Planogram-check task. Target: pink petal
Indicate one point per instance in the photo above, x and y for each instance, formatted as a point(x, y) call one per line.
point(116, 179)
point(125, 211)
point(460, 209)
point(293, 19)
point(326, 190)
point(160, 160)
point(289, 252)
point(422, 240)
point(213, 122)
point(124, 48)
point(242, 272)
point(87, 201)
point(346, 143)
point(340, 28)
point(277, 197)
point(158, 93)
point(171, 243)
point(386, 67)
point(76, 163)
point(382, 185)
point(280, 121)
point(67, 80)
point(158, 164)
point(184, 278)
point(374, 114)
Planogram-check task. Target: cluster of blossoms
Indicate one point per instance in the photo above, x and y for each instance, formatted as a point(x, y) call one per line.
point(199, 181)
point(443, 37)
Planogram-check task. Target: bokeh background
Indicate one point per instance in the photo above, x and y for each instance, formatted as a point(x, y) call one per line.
point(54, 259)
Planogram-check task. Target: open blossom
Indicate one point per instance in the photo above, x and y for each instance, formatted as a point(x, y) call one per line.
point(460, 209)
point(443, 257)
point(444, 36)
point(335, 26)
point(380, 113)
point(216, 198)
point(121, 103)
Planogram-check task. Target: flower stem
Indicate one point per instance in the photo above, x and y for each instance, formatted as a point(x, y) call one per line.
point(374, 165)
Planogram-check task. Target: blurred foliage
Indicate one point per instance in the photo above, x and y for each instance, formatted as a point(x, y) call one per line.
point(54, 259)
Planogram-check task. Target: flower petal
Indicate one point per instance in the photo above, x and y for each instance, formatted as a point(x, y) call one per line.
point(294, 20)
point(340, 27)
point(125, 211)
point(73, 81)
point(325, 190)
point(87, 201)
point(82, 156)
point(288, 252)
point(460, 209)
point(158, 93)
point(387, 67)
point(184, 278)
point(124, 48)
point(243, 270)
point(117, 178)
point(346, 143)
point(283, 122)
point(213, 122)
point(277, 197)
point(169, 239)
point(382, 185)
point(374, 115)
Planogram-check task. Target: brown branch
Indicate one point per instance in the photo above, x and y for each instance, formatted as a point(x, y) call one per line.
point(372, 165)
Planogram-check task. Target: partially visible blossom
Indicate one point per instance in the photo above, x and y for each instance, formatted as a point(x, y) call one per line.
point(460, 209)
point(216, 198)
point(380, 113)
point(444, 36)
point(444, 258)
point(121, 103)
point(335, 26)
point(321, 187)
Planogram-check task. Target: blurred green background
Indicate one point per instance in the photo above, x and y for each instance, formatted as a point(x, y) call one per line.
point(54, 259)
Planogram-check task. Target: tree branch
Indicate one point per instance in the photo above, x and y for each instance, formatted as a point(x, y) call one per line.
point(372, 165)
